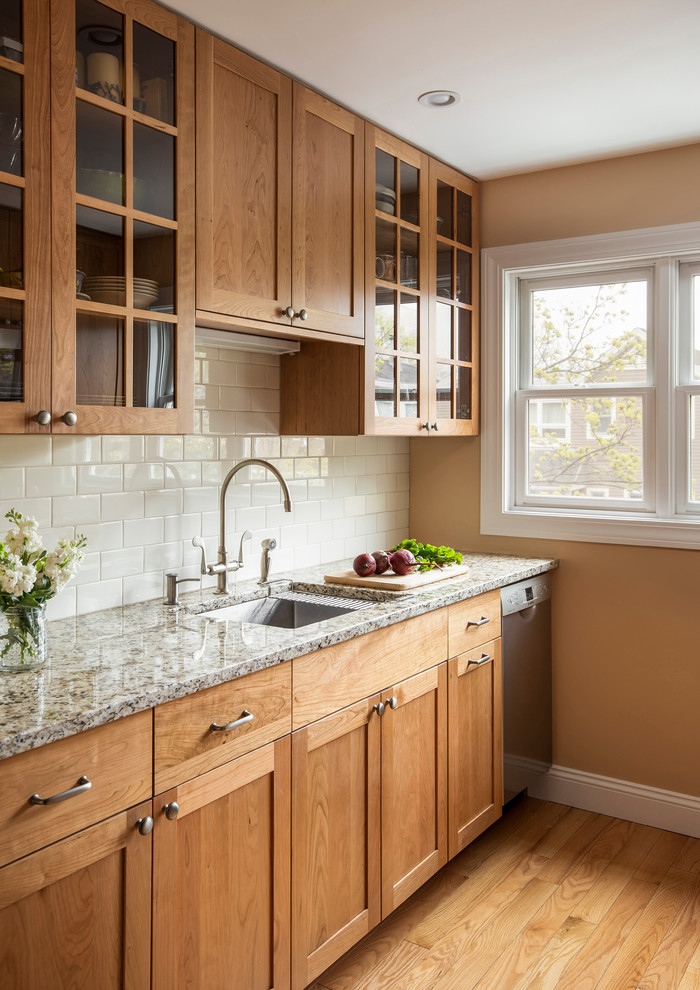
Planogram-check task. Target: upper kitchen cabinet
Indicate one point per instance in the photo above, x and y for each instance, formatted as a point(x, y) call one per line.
point(454, 293)
point(418, 372)
point(279, 201)
point(122, 78)
point(25, 215)
point(396, 393)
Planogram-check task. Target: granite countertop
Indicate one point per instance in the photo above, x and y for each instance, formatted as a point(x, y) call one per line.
point(109, 664)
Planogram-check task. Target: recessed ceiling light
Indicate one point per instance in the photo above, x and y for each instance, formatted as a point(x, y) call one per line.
point(439, 98)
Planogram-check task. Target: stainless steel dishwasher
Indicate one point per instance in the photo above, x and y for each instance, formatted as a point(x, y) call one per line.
point(527, 683)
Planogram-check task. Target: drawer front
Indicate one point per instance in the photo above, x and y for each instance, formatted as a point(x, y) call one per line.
point(115, 758)
point(473, 622)
point(337, 676)
point(186, 744)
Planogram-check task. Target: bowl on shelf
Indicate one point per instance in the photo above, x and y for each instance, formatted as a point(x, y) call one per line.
point(385, 199)
point(110, 289)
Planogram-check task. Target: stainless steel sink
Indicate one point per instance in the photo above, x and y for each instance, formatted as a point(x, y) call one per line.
point(289, 610)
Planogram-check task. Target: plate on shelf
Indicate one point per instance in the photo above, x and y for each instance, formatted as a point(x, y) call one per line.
point(83, 295)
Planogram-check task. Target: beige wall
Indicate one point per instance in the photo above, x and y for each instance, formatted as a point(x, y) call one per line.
point(626, 626)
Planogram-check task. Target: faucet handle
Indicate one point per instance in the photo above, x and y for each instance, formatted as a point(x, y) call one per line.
point(198, 542)
point(247, 535)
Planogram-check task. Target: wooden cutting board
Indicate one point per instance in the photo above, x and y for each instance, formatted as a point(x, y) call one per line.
point(393, 582)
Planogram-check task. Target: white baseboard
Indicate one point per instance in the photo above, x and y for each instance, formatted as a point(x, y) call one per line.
point(620, 799)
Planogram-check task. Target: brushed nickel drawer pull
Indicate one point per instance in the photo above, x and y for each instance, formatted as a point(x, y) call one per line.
point(378, 708)
point(83, 785)
point(482, 659)
point(482, 621)
point(246, 716)
point(392, 702)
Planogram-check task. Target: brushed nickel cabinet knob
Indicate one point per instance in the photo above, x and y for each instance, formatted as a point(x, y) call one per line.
point(43, 417)
point(69, 418)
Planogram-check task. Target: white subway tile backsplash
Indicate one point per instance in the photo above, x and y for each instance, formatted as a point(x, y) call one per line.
point(124, 449)
point(122, 563)
point(76, 510)
point(140, 477)
point(98, 478)
point(12, 482)
point(104, 535)
point(121, 505)
point(142, 532)
point(77, 450)
point(50, 481)
point(21, 451)
point(140, 500)
point(166, 502)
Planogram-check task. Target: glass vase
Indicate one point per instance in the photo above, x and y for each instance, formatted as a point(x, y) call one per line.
point(22, 638)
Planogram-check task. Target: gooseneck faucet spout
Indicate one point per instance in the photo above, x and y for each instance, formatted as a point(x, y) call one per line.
point(222, 567)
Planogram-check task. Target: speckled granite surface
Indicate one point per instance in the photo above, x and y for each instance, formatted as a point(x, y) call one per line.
point(110, 664)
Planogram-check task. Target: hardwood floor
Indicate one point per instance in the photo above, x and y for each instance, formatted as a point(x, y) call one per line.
point(549, 898)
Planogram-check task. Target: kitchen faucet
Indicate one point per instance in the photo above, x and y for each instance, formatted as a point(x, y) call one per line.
point(222, 566)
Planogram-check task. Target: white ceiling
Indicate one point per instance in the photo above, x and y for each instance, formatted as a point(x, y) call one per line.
point(543, 82)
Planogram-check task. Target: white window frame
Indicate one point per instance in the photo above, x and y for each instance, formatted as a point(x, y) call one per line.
point(666, 517)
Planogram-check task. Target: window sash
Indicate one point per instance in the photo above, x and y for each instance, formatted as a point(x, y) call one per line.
point(668, 518)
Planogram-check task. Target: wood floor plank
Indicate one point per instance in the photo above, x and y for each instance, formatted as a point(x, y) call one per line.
point(691, 980)
point(368, 953)
point(479, 954)
point(689, 857)
point(593, 960)
point(392, 967)
point(631, 961)
point(563, 860)
point(562, 948)
point(562, 831)
point(677, 946)
point(661, 856)
point(530, 943)
point(528, 822)
point(486, 893)
point(605, 891)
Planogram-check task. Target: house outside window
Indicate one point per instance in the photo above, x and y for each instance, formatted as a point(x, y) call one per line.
point(594, 431)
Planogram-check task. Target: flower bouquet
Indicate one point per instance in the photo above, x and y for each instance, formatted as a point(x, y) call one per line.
point(29, 577)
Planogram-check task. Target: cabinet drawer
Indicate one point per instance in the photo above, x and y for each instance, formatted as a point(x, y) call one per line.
point(473, 622)
point(115, 759)
point(187, 745)
point(336, 676)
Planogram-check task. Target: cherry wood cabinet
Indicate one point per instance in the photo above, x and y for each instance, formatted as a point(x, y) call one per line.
point(77, 913)
point(369, 815)
point(336, 782)
point(418, 374)
point(279, 200)
point(475, 754)
point(221, 876)
point(122, 133)
point(414, 784)
point(25, 216)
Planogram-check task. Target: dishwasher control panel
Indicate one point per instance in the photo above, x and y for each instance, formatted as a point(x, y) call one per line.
point(516, 597)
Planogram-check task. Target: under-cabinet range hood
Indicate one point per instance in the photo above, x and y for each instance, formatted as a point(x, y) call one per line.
point(233, 340)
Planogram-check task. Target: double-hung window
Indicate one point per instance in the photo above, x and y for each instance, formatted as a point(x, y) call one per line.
point(592, 388)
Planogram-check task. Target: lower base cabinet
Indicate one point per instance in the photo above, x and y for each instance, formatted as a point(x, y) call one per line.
point(369, 817)
point(475, 743)
point(222, 876)
point(77, 913)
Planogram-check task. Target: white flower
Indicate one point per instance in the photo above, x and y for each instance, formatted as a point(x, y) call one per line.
point(25, 537)
point(16, 577)
point(62, 564)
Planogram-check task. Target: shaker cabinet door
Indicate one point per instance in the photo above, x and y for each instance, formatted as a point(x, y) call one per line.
point(244, 119)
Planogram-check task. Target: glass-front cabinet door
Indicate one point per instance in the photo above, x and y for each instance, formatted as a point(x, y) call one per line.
point(123, 183)
point(396, 319)
point(454, 321)
point(25, 217)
